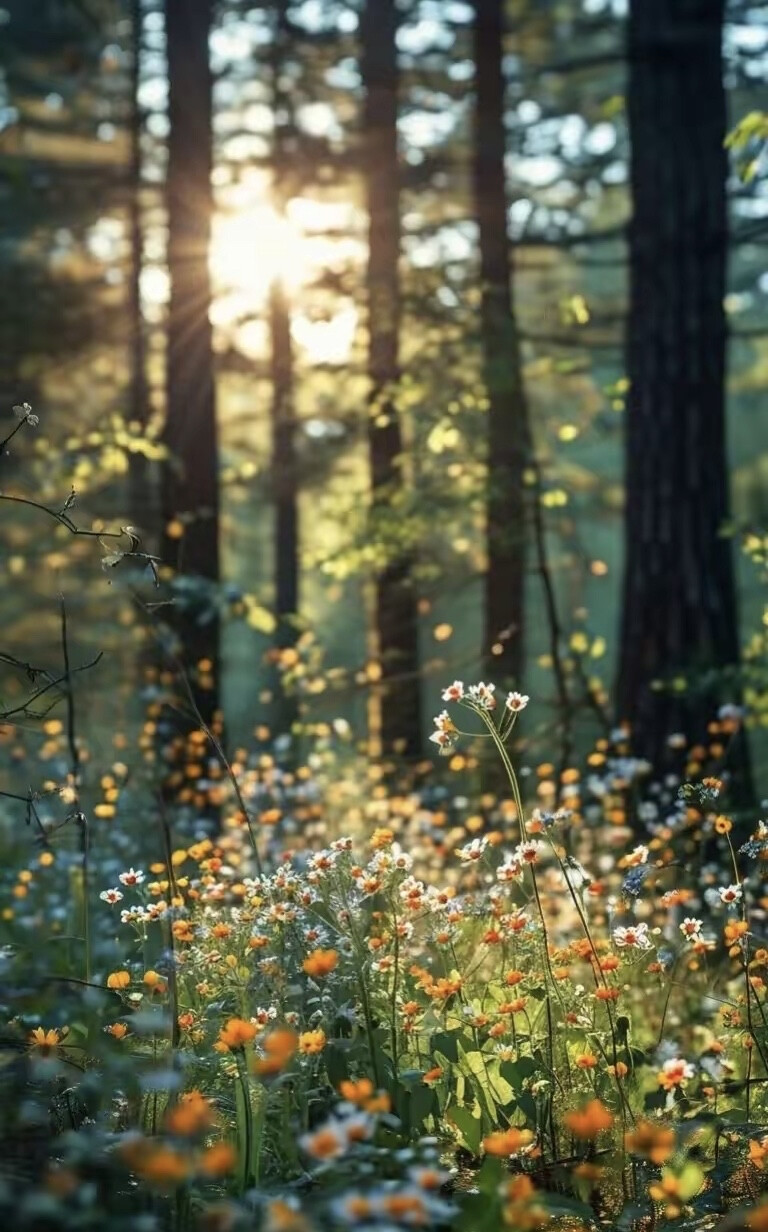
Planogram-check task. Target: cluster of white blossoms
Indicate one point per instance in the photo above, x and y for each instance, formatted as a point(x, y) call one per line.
point(479, 696)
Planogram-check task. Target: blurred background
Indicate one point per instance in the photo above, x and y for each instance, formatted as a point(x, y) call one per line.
point(419, 341)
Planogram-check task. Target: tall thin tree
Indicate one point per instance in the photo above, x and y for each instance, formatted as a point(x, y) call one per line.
point(191, 493)
point(138, 395)
point(396, 606)
point(679, 606)
point(285, 479)
point(508, 426)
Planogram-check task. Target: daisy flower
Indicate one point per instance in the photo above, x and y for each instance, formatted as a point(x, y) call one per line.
point(691, 928)
point(111, 896)
point(472, 851)
point(133, 877)
point(634, 937)
point(516, 702)
point(454, 692)
point(730, 894)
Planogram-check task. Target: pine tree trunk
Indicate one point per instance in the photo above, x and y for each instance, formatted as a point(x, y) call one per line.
point(191, 477)
point(508, 427)
point(679, 606)
point(396, 601)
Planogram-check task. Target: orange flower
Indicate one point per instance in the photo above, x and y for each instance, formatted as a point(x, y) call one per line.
point(513, 1007)
point(279, 1046)
point(667, 1193)
point(619, 1070)
point(311, 1042)
point(192, 1115)
point(236, 1033)
point(118, 1029)
point(321, 962)
point(587, 1122)
point(44, 1042)
point(734, 930)
point(119, 979)
point(757, 1219)
point(512, 978)
point(723, 825)
point(218, 1160)
point(155, 1163)
point(586, 1060)
point(607, 994)
point(508, 1142)
point(356, 1092)
point(433, 1075)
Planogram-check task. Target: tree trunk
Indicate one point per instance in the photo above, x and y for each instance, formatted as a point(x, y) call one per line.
point(285, 477)
point(396, 619)
point(191, 478)
point(138, 394)
point(679, 607)
point(508, 426)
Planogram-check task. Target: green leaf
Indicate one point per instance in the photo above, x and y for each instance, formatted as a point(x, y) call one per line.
point(469, 1126)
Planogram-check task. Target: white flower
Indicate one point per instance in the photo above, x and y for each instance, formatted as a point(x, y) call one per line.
point(454, 692)
point(517, 701)
point(730, 894)
point(473, 851)
point(677, 1071)
point(445, 734)
point(510, 870)
point(482, 695)
point(691, 928)
point(528, 852)
point(639, 855)
point(133, 877)
point(24, 412)
point(111, 896)
point(633, 937)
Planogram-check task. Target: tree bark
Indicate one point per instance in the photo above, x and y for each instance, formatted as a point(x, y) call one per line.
point(508, 425)
point(679, 606)
point(396, 618)
point(191, 477)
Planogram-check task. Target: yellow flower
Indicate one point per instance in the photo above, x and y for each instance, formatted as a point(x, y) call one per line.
point(311, 1042)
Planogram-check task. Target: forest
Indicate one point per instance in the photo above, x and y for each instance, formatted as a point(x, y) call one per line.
point(384, 615)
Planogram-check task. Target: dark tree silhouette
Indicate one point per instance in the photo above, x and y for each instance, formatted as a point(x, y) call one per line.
point(396, 600)
point(190, 490)
point(679, 607)
point(285, 478)
point(508, 428)
point(138, 396)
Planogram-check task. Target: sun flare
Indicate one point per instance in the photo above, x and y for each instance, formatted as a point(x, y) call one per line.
point(255, 249)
